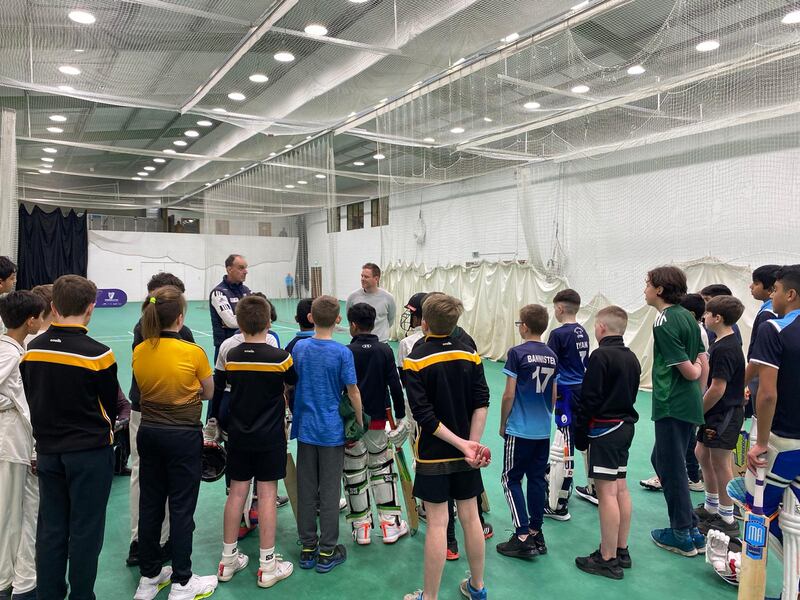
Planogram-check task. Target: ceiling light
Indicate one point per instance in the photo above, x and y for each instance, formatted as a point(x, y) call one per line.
point(44, 171)
point(315, 29)
point(81, 16)
point(219, 110)
point(58, 118)
point(707, 46)
point(227, 174)
point(50, 150)
point(358, 163)
point(149, 168)
point(511, 38)
point(191, 133)
point(55, 130)
point(288, 146)
point(583, 4)
point(205, 123)
point(792, 18)
point(302, 182)
point(258, 78)
point(66, 88)
point(273, 153)
point(69, 70)
point(320, 176)
point(136, 178)
point(208, 183)
point(383, 100)
point(79, 50)
point(308, 137)
point(179, 143)
point(379, 156)
point(159, 160)
point(580, 89)
point(531, 105)
point(169, 151)
point(289, 186)
point(636, 70)
point(457, 130)
point(284, 57)
point(143, 173)
point(359, 1)
point(459, 61)
point(428, 140)
point(351, 115)
point(47, 159)
point(238, 96)
point(487, 119)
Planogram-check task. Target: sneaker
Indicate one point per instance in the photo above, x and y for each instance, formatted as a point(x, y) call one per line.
point(272, 571)
point(194, 589)
point(699, 540)
point(149, 587)
point(308, 557)
point(737, 513)
point(230, 565)
point(327, 561)
point(342, 504)
point(284, 500)
point(417, 595)
point(697, 486)
point(470, 592)
point(517, 548)
point(211, 431)
point(538, 541)
point(245, 527)
point(452, 552)
point(669, 540)
point(624, 558)
point(720, 524)
point(393, 530)
point(133, 554)
point(559, 514)
point(702, 512)
point(654, 483)
point(252, 514)
point(588, 493)
point(488, 531)
point(594, 564)
point(362, 529)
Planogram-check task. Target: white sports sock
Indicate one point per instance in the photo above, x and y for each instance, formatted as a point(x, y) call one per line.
point(266, 554)
point(228, 549)
point(726, 512)
point(712, 503)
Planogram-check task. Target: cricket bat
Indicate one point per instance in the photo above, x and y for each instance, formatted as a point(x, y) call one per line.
point(290, 483)
point(406, 482)
point(753, 575)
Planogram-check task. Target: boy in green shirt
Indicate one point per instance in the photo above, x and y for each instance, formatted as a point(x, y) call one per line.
point(677, 405)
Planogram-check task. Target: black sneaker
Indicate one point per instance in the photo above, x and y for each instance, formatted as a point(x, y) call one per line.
point(133, 554)
point(517, 548)
point(588, 493)
point(624, 558)
point(718, 523)
point(281, 501)
point(328, 560)
point(595, 565)
point(702, 512)
point(559, 514)
point(538, 542)
point(488, 531)
point(308, 557)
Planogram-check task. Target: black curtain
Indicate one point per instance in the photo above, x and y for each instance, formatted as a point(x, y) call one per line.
point(50, 245)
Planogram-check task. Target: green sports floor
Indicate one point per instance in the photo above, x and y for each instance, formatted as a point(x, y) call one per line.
point(378, 571)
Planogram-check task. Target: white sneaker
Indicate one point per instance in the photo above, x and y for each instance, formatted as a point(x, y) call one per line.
point(393, 530)
point(342, 504)
point(272, 571)
point(362, 530)
point(230, 565)
point(654, 483)
point(149, 587)
point(197, 587)
point(697, 486)
point(211, 431)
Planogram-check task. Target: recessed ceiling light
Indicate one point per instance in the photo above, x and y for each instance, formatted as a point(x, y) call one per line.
point(636, 70)
point(359, 1)
point(383, 100)
point(219, 110)
point(149, 168)
point(512, 37)
point(315, 29)
point(457, 130)
point(428, 140)
point(302, 182)
point(69, 70)
point(179, 143)
point(308, 137)
point(288, 146)
point(792, 18)
point(66, 88)
point(81, 16)
point(136, 178)
point(289, 186)
point(258, 78)
point(79, 50)
point(459, 61)
point(351, 115)
point(191, 133)
point(358, 163)
point(707, 46)
point(44, 171)
point(227, 174)
point(50, 150)
point(273, 153)
point(47, 159)
point(55, 130)
point(238, 96)
point(580, 89)
point(169, 151)
point(284, 57)
point(58, 118)
point(379, 156)
point(159, 160)
point(531, 105)
point(143, 173)
point(583, 4)
point(205, 123)
point(320, 176)
point(487, 119)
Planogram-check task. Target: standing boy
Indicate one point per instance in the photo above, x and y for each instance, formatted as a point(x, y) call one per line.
point(71, 386)
point(604, 426)
point(306, 326)
point(323, 367)
point(761, 289)
point(19, 501)
point(677, 405)
point(570, 343)
point(525, 418)
point(8, 279)
point(449, 397)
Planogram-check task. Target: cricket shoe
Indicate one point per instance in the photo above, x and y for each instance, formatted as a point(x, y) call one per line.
point(393, 530)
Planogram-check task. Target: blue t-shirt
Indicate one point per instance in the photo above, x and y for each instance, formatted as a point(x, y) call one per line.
point(533, 365)
point(323, 368)
point(778, 346)
point(570, 342)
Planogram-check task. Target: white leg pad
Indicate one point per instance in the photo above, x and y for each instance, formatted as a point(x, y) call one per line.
point(356, 483)
point(560, 469)
point(790, 526)
point(382, 477)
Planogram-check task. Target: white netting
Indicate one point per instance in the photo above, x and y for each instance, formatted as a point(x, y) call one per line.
point(9, 217)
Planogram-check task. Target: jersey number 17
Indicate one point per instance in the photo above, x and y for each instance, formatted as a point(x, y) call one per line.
point(541, 376)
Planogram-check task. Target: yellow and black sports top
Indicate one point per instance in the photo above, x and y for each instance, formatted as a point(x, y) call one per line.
point(445, 384)
point(71, 386)
point(168, 376)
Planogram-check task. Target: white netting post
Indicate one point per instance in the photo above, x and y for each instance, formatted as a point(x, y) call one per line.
point(9, 211)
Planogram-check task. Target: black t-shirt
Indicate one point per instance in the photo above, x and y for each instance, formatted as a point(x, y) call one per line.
point(726, 361)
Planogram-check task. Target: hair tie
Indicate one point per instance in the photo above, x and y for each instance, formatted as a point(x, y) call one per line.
point(152, 299)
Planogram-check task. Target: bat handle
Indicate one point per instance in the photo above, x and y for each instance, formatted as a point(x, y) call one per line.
point(758, 491)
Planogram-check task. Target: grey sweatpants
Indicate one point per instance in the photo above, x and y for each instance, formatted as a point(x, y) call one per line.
point(319, 484)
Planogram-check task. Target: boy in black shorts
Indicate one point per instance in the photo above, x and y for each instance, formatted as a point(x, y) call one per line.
point(604, 426)
point(258, 374)
point(449, 398)
point(723, 404)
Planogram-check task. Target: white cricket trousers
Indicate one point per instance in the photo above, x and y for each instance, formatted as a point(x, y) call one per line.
point(19, 508)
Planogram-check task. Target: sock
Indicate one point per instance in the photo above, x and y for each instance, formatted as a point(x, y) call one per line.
point(266, 554)
point(228, 549)
point(726, 512)
point(712, 503)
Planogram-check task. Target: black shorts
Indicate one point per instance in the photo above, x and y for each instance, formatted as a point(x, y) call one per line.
point(608, 454)
point(717, 434)
point(263, 465)
point(452, 486)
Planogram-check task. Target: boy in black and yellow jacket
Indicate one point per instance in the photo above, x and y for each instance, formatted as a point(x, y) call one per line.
point(449, 398)
point(71, 385)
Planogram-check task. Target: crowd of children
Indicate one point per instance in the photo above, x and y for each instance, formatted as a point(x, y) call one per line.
point(58, 410)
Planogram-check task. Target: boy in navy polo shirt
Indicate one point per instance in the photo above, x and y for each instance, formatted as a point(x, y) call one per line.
point(761, 289)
